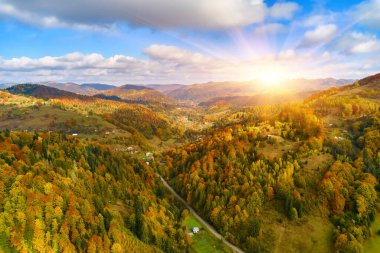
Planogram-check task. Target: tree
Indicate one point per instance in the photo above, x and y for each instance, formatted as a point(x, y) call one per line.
point(39, 236)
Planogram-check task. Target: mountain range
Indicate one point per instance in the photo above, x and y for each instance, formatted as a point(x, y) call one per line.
point(206, 94)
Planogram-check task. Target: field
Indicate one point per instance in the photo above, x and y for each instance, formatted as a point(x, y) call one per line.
point(373, 244)
point(307, 235)
point(203, 241)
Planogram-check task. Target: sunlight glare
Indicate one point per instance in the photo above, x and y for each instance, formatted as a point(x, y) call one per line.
point(271, 79)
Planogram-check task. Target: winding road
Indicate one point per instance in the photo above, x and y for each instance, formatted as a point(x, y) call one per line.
point(204, 223)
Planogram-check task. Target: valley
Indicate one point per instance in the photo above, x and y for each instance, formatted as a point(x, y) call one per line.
point(136, 170)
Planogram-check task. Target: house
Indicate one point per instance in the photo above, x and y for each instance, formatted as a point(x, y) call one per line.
point(149, 155)
point(75, 134)
point(195, 230)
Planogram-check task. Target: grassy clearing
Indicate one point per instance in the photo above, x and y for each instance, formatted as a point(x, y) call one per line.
point(373, 244)
point(203, 241)
point(309, 234)
point(277, 149)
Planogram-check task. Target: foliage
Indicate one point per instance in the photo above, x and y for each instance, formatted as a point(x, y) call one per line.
point(58, 193)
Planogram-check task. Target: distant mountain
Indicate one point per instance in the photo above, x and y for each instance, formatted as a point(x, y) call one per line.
point(5, 85)
point(212, 90)
point(259, 99)
point(165, 88)
point(71, 87)
point(205, 91)
point(133, 87)
point(42, 91)
point(135, 94)
point(98, 86)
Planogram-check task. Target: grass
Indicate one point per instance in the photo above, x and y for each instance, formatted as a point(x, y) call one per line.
point(373, 244)
point(203, 241)
point(276, 150)
point(310, 234)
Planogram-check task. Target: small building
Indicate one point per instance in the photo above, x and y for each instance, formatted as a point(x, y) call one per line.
point(75, 134)
point(195, 230)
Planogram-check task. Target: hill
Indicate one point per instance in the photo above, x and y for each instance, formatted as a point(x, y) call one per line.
point(165, 88)
point(71, 87)
point(136, 94)
point(42, 91)
point(79, 196)
point(212, 90)
point(134, 119)
point(259, 99)
point(5, 85)
point(98, 86)
point(284, 177)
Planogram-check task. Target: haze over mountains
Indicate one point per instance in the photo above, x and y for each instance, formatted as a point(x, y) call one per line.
point(238, 93)
point(252, 162)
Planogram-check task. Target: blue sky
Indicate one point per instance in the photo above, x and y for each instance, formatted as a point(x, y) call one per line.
point(186, 41)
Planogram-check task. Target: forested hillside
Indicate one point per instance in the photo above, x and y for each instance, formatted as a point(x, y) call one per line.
point(269, 169)
point(60, 194)
point(136, 94)
point(140, 121)
point(301, 176)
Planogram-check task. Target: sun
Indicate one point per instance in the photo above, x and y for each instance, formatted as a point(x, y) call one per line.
point(271, 79)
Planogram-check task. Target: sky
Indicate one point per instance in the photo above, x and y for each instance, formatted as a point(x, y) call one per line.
point(186, 41)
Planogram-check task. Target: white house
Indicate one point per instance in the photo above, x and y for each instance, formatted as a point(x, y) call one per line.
point(195, 230)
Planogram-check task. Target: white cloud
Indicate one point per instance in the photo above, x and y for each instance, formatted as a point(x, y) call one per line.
point(157, 14)
point(174, 54)
point(212, 14)
point(321, 34)
point(169, 64)
point(284, 10)
point(271, 28)
point(358, 43)
point(368, 14)
point(319, 19)
point(165, 64)
point(47, 21)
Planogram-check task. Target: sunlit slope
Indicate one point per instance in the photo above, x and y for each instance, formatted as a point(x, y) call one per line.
point(136, 94)
point(213, 91)
point(139, 120)
point(62, 194)
point(266, 176)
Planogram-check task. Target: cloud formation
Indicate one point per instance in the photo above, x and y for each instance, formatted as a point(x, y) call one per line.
point(158, 14)
point(355, 43)
point(321, 34)
point(170, 64)
point(152, 13)
point(270, 28)
point(367, 14)
point(284, 10)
